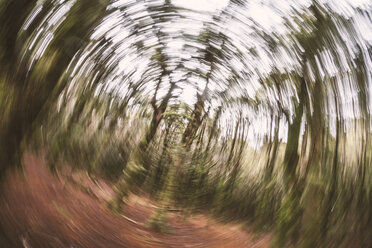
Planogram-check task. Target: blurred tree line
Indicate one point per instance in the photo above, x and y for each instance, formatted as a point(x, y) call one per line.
point(311, 188)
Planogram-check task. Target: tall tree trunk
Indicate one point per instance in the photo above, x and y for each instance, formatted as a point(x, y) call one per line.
point(272, 156)
point(291, 152)
point(290, 211)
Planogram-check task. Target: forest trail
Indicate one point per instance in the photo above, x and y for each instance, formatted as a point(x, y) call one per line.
point(40, 210)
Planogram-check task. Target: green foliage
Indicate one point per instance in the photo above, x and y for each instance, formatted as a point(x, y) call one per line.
point(288, 222)
point(317, 193)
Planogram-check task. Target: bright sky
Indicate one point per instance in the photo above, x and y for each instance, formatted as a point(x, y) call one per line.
point(201, 5)
point(266, 15)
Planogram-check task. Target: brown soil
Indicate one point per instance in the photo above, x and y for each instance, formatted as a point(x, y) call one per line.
point(38, 209)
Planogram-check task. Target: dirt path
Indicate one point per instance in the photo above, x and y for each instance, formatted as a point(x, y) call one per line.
point(39, 210)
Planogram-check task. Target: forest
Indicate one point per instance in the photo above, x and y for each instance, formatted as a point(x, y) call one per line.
point(170, 123)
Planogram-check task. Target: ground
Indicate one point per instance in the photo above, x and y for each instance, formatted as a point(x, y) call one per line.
point(39, 209)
